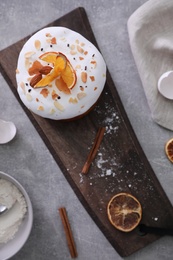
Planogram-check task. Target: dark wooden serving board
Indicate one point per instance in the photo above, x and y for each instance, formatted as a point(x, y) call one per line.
point(120, 164)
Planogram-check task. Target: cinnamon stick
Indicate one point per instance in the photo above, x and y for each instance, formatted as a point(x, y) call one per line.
point(94, 149)
point(68, 232)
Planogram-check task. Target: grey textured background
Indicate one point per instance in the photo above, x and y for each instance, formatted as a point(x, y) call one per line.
point(27, 159)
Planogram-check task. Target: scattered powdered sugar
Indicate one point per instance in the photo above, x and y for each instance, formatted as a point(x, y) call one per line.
point(111, 129)
point(102, 165)
point(108, 172)
point(113, 167)
point(81, 178)
point(10, 221)
point(113, 118)
point(156, 219)
point(100, 162)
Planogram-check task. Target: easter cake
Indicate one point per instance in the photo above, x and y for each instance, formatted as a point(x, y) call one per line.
point(60, 74)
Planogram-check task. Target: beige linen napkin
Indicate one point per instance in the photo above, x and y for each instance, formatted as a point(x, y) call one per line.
point(150, 31)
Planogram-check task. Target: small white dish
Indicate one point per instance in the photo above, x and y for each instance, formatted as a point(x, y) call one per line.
point(7, 131)
point(165, 85)
point(10, 248)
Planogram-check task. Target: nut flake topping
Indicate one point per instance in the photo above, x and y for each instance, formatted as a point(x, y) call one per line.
point(84, 76)
point(54, 95)
point(53, 40)
point(92, 78)
point(37, 44)
point(22, 85)
point(58, 106)
point(44, 92)
point(29, 54)
point(40, 108)
point(94, 63)
point(48, 35)
point(29, 97)
point(73, 100)
point(81, 95)
point(81, 50)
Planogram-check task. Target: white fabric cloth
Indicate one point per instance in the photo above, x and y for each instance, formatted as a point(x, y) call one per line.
point(150, 31)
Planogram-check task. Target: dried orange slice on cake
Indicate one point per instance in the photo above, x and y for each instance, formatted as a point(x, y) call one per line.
point(63, 72)
point(124, 212)
point(169, 149)
point(59, 66)
point(69, 76)
point(49, 57)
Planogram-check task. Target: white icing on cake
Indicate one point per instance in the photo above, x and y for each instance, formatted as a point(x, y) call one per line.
point(84, 58)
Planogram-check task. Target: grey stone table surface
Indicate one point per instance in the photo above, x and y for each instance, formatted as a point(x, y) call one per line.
point(28, 160)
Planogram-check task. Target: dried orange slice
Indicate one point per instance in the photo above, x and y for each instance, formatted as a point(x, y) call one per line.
point(169, 149)
point(61, 85)
point(49, 57)
point(68, 74)
point(59, 66)
point(124, 211)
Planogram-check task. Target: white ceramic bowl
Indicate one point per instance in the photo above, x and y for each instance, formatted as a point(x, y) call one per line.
point(13, 246)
